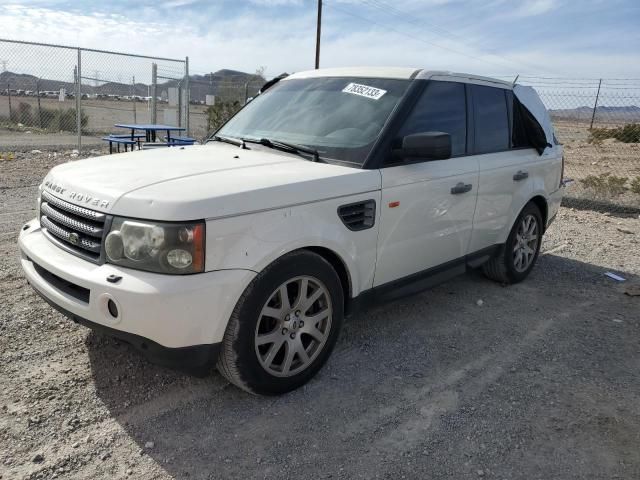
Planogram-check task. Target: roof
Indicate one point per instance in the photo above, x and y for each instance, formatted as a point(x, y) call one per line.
point(405, 73)
point(364, 72)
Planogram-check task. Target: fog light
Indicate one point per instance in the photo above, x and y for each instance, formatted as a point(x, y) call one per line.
point(179, 258)
point(113, 309)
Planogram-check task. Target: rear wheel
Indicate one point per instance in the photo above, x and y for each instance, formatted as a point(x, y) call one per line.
point(520, 252)
point(284, 326)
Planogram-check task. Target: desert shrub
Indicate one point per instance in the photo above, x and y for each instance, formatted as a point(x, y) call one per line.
point(605, 185)
point(23, 114)
point(635, 185)
point(630, 133)
point(55, 120)
point(218, 114)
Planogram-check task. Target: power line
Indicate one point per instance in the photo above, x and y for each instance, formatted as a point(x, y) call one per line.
point(409, 18)
point(400, 32)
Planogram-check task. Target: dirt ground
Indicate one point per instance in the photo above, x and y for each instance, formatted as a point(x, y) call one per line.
point(610, 157)
point(538, 381)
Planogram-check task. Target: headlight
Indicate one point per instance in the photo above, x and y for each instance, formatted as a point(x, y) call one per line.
point(156, 247)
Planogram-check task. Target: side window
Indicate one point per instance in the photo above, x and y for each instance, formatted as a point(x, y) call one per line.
point(441, 108)
point(491, 119)
point(524, 127)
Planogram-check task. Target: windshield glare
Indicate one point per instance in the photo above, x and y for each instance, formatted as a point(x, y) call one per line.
point(339, 117)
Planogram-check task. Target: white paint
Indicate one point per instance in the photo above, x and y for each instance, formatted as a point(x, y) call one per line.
point(260, 204)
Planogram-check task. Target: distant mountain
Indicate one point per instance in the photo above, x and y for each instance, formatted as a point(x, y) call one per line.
point(21, 81)
point(627, 114)
point(223, 82)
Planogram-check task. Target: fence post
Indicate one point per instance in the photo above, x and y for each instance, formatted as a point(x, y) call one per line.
point(38, 97)
point(187, 95)
point(78, 98)
point(9, 95)
point(154, 93)
point(133, 98)
point(595, 105)
point(179, 104)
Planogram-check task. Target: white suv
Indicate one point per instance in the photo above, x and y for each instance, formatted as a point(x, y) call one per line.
point(331, 190)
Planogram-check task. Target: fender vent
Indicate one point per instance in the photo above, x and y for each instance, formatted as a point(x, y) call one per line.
point(358, 216)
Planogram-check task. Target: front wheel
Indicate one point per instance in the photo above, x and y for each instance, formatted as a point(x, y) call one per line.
point(284, 326)
point(520, 252)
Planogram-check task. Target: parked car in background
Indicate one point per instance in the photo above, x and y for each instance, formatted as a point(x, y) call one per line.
point(331, 190)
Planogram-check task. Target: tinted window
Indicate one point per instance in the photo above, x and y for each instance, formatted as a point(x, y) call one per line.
point(491, 119)
point(441, 108)
point(341, 117)
point(525, 128)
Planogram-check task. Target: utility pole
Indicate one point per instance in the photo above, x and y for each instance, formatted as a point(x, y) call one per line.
point(318, 28)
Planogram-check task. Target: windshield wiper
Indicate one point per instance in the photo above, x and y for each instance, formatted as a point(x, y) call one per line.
point(285, 146)
point(238, 142)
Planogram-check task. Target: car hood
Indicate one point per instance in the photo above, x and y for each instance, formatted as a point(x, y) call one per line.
point(204, 181)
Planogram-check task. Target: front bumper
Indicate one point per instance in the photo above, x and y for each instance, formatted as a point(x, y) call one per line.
point(171, 319)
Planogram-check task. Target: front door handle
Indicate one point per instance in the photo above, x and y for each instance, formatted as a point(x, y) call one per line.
point(461, 188)
point(521, 175)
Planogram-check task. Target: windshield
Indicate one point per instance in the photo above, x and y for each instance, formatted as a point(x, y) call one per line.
point(339, 117)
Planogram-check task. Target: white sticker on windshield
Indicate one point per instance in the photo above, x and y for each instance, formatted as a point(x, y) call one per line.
point(364, 91)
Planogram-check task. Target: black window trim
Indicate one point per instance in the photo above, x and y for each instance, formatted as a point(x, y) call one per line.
point(382, 148)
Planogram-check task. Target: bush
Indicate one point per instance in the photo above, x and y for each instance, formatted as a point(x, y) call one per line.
point(630, 133)
point(218, 114)
point(605, 185)
point(55, 120)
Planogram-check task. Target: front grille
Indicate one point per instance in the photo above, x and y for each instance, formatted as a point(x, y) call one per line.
point(76, 229)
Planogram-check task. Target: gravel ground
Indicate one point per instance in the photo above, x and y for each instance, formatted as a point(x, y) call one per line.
point(537, 381)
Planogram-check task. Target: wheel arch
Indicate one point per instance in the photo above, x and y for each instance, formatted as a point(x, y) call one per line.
point(338, 265)
point(542, 204)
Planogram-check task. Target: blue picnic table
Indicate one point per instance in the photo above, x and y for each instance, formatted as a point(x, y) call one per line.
point(150, 130)
point(148, 137)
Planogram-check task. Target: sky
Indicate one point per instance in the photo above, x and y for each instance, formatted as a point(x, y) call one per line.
point(546, 38)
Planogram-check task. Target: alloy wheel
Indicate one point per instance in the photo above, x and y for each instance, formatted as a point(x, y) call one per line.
point(294, 326)
point(526, 243)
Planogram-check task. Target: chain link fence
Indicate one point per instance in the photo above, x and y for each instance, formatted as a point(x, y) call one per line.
point(598, 122)
point(54, 96)
point(215, 97)
point(68, 97)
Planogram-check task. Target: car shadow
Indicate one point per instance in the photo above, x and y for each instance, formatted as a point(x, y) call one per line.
point(406, 387)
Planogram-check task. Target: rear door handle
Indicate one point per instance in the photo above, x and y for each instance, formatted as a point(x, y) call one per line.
point(461, 188)
point(521, 175)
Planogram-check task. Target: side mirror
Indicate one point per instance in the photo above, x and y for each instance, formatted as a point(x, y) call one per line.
point(426, 146)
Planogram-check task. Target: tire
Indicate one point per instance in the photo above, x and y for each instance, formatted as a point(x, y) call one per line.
point(271, 347)
point(505, 267)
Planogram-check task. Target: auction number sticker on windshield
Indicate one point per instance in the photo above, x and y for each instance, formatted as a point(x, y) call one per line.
point(364, 91)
